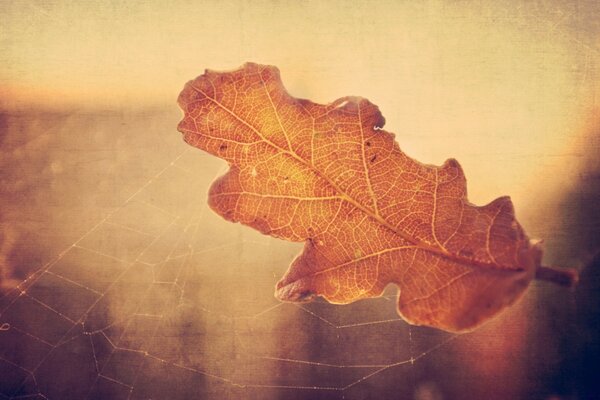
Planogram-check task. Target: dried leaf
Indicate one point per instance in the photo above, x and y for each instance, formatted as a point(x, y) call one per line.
point(370, 215)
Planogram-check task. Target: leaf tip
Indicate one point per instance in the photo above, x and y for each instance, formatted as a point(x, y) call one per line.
point(293, 293)
point(451, 163)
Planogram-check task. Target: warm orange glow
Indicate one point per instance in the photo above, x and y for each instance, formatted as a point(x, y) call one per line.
point(93, 170)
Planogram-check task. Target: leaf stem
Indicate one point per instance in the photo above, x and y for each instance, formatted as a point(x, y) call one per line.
point(561, 276)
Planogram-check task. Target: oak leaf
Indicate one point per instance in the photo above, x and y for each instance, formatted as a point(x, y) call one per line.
point(370, 215)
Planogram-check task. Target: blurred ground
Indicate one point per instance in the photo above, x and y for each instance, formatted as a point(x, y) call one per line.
point(148, 294)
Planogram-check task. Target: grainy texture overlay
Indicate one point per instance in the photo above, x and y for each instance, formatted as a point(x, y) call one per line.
point(119, 281)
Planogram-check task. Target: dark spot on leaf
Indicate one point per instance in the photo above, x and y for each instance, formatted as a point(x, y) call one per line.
point(373, 158)
point(466, 253)
point(223, 147)
point(368, 144)
point(305, 295)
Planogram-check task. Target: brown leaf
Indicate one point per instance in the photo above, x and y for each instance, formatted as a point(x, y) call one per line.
point(370, 215)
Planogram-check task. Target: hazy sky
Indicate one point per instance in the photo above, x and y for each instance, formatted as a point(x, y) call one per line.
point(146, 50)
point(502, 74)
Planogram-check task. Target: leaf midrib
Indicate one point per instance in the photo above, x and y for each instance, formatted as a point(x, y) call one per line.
point(345, 197)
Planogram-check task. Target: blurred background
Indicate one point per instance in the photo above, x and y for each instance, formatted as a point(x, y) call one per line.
point(119, 283)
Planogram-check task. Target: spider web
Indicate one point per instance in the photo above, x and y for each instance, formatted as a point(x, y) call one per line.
point(163, 299)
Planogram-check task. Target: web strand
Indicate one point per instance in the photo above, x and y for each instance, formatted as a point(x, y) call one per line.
point(170, 271)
